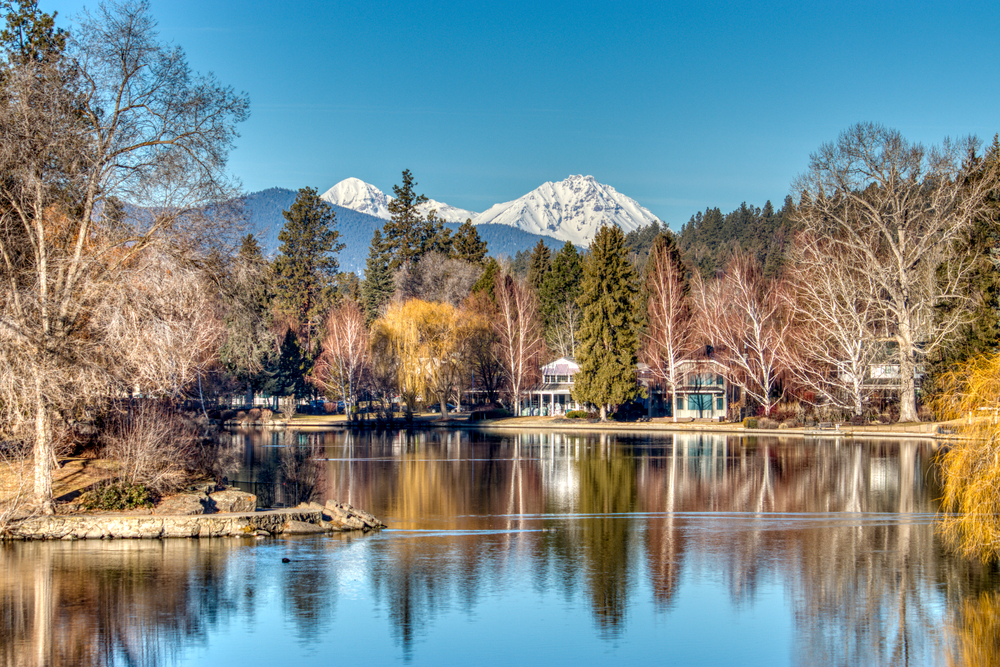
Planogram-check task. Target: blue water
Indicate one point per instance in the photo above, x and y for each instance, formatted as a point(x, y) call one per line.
point(538, 550)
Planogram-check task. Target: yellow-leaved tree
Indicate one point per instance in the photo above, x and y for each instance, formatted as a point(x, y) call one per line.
point(970, 468)
point(428, 341)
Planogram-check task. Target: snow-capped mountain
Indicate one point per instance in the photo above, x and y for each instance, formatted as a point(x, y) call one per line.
point(355, 194)
point(446, 212)
point(570, 210)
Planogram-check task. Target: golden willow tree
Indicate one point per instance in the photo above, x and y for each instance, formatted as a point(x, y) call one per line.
point(428, 342)
point(970, 468)
point(111, 153)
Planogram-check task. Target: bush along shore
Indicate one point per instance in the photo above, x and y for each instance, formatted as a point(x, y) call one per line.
point(206, 512)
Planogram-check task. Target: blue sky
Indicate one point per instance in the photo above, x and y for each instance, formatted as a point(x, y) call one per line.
point(679, 106)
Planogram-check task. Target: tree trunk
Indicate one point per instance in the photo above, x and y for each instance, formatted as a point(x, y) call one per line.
point(907, 385)
point(604, 412)
point(44, 451)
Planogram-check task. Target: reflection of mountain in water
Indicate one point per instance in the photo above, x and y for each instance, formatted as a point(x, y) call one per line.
point(617, 525)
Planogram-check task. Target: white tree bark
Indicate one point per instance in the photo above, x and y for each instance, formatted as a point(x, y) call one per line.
point(895, 212)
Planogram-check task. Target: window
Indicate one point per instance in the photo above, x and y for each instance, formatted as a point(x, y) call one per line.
point(719, 380)
point(699, 402)
point(680, 402)
point(720, 403)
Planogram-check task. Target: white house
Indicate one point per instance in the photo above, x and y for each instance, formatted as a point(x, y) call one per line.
point(703, 392)
point(554, 397)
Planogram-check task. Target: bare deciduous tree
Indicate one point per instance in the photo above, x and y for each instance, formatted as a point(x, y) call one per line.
point(344, 361)
point(152, 445)
point(517, 325)
point(670, 334)
point(484, 347)
point(124, 118)
point(437, 277)
point(837, 332)
point(564, 330)
point(742, 316)
point(895, 212)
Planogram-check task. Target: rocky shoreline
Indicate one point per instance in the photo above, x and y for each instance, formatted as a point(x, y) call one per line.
point(174, 521)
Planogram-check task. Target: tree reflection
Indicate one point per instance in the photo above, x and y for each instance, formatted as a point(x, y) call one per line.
point(610, 523)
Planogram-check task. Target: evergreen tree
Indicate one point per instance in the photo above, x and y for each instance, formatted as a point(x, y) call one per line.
point(305, 269)
point(436, 237)
point(640, 242)
point(557, 300)
point(30, 35)
point(286, 376)
point(539, 265)
point(609, 340)
point(408, 234)
point(246, 292)
point(487, 281)
point(980, 334)
point(378, 285)
point(467, 245)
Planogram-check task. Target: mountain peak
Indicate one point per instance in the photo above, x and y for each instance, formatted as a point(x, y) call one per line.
point(355, 194)
point(573, 210)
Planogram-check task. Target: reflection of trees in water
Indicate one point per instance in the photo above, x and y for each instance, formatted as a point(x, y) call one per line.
point(143, 602)
point(828, 519)
point(122, 602)
point(975, 633)
point(607, 487)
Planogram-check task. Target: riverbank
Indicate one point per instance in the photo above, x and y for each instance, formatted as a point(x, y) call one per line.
point(928, 430)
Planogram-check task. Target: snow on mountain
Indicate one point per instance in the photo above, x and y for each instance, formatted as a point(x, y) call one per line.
point(355, 194)
point(446, 212)
point(570, 210)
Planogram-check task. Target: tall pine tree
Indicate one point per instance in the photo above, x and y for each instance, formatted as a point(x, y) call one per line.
point(408, 234)
point(609, 340)
point(306, 267)
point(539, 265)
point(557, 300)
point(466, 244)
point(378, 286)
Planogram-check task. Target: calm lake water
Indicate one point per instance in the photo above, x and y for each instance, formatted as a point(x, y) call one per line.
point(535, 548)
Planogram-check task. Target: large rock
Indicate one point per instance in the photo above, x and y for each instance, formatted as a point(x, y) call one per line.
point(293, 527)
point(184, 504)
point(345, 517)
point(233, 500)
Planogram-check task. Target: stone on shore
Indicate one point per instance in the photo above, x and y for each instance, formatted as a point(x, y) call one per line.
point(292, 527)
point(183, 504)
point(345, 517)
point(233, 500)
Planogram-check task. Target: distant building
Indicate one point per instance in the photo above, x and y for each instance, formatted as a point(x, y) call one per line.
point(703, 392)
point(554, 396)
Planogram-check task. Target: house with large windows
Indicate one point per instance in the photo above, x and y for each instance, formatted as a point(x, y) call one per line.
point(554, 396)
point(703, 392)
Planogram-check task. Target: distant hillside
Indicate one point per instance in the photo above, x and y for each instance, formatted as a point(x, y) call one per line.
point(263, 210)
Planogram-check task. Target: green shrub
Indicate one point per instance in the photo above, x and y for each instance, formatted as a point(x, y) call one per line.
point(750, 422)
point(577, 414)
point(117, 496)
